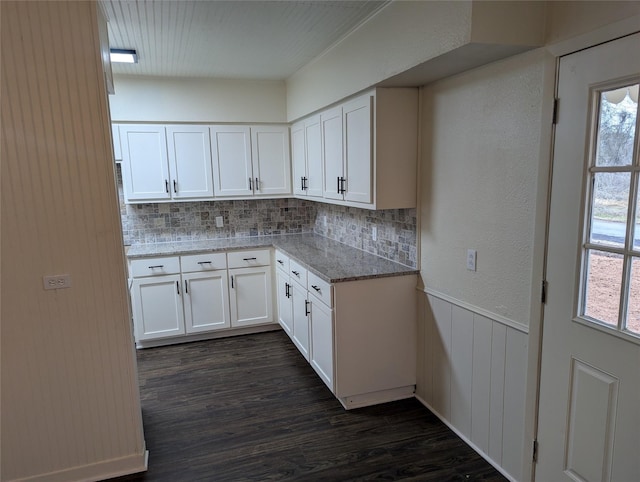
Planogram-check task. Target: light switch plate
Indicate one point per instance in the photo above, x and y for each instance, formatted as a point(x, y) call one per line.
point(219, 221)
point(471, 259)
point(56, 282)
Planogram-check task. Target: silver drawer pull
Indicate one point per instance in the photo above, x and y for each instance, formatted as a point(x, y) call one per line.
point(204, 262)
point(280, 261)
point(315, 287)
point(296, 273)
point(157, 266)
point(249, 259)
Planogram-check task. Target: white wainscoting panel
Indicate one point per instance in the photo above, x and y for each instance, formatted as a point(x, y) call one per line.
point(473, 376)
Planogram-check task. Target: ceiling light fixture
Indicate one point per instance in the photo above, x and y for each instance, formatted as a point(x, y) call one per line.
point(126, 56)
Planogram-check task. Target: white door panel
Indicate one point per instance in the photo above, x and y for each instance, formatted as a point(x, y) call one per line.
point(589, 417)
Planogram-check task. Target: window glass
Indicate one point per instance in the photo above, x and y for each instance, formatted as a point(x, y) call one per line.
point(633, 310)
point(604, 279)
point(617, 126)
point(610, 204)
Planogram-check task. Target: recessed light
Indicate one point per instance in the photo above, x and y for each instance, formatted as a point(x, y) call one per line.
point(126, 56)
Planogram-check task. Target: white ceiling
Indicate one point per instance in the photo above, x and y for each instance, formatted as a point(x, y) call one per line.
point(233, 39)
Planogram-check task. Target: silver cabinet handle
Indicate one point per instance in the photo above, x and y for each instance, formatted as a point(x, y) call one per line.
point(186, 287)
point(249, 259)
point(156, 266)
point(280, 261)
point(175, 186)
point(231, 281)
point(166, 185)
point(178, 286)
point(307, 312)
point(250, 184)
point(257, 184)
point(204, 262)
point(315, 287)
point(296, 273)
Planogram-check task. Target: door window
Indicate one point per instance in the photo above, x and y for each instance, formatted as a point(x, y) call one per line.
point(610, 283)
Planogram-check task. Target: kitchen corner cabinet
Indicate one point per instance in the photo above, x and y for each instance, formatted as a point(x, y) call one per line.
point(164, 163)
point(306, 153)
point(370, 149)
point(251, 161)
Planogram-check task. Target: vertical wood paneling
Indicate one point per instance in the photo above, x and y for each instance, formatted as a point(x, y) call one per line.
point(461, 368)
point(69, 392)
point(498, 349)
point(441, 347)
point(481, 389)
point(514, 398)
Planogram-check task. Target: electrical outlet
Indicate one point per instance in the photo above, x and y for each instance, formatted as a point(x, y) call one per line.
point(219, 221)
point(471, 259)
point(374, 233)
point(56, 282)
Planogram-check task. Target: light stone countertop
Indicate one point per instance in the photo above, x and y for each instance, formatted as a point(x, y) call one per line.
point(332, 261)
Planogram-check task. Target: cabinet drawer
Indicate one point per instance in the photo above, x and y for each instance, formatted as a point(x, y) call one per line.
point(154, 266)
point(298, 273)
point(321, 289)
point(282, 261)
point(246, 259)
point(194, 263)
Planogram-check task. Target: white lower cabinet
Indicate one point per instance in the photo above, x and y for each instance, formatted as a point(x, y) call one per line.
point(206, 304)
point(250, 296)
point(196, 295)
point(321, 340)
point(300, 319)
point(157, 307)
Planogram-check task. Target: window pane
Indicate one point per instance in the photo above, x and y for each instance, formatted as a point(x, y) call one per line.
point(616, 127)
point(633, 311)
point(604, 279)
point(609, 208)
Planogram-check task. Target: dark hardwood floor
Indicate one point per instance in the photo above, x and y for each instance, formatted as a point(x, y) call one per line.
point(251, 408)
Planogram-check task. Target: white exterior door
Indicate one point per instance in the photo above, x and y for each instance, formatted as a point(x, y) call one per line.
point(589, 413)
point(332, 155)
point(358, 161)
point(206, 301)
point(271, 160)
point(145, 168)
point(157, 307)
point(189, 153)
point(250, 296)
point(313, 154)
point(231, 154)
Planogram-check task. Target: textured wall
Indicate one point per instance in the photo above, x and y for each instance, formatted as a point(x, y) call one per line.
point(149, 99)
point(70, 401)
point(481, 154)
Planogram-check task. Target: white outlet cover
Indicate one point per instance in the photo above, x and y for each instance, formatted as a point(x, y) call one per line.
point(219, 222)
point(471, 259)
point(374, 233)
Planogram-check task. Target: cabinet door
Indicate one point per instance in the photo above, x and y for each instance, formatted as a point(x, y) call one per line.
point(145, 168)
point(189, 153)
point(250, 296)
point(206, 301)
point(157, 307)
point(285, 313)
point(313, 154)
point(231, 154)
point(298, 158)
point(271, 160)
point(331, 127)
point(115, 137)
point(322, 340)
point(358, 161)
point(300, 319)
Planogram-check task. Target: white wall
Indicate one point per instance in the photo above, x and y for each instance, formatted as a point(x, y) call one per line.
point(149, 99)
point(70, 401)
point(481, 155)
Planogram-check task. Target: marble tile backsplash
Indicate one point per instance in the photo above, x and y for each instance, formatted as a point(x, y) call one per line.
point(191, 221)
point(396, 230)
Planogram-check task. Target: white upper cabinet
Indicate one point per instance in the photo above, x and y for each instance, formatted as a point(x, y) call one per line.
point(332, 155)
point(306, 151)
point(231, 153)
point(145, 167)
point(115, 136)
point(164, 163)
point(251, 161)
point(358, 160)
point(370, 149)
point(189, 162)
